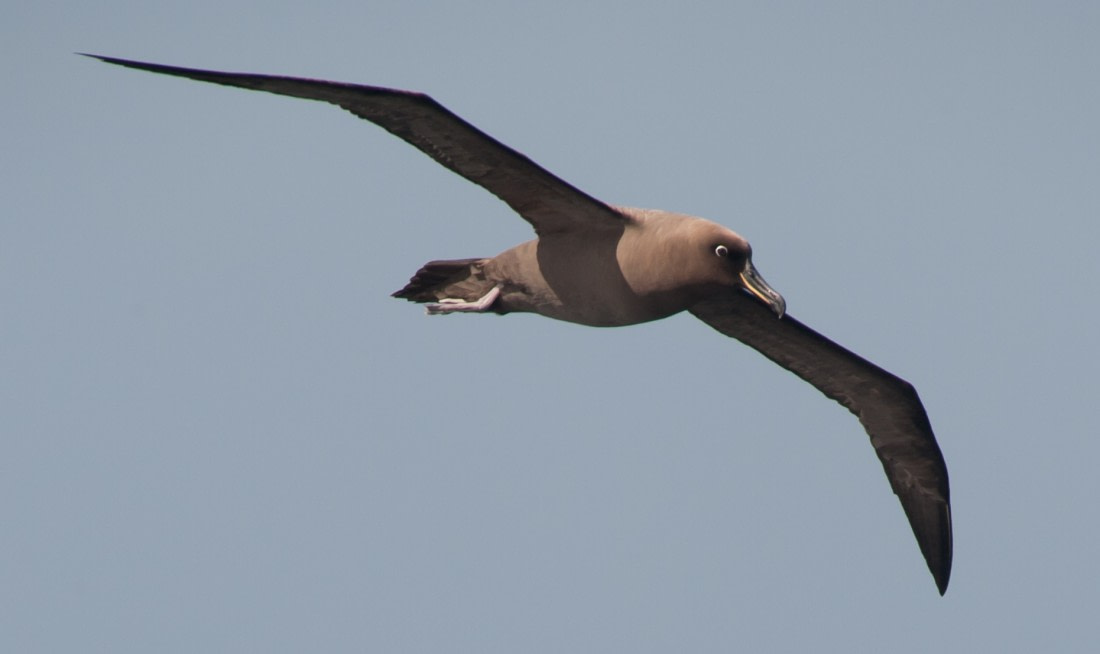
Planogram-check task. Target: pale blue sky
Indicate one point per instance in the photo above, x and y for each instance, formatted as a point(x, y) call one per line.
point(219, 433)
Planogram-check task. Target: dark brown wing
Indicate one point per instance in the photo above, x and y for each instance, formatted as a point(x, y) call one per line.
point(888, 407)
point(548, 203)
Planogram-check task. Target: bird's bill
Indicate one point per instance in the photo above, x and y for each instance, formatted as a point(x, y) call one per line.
point(756, 285)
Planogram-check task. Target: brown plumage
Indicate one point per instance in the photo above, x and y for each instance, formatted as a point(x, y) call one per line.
point(601, 265)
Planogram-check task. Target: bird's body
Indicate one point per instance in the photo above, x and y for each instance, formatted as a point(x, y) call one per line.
point(605, 266)
point(624, 275)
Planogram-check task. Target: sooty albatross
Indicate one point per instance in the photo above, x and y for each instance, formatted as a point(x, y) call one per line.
point(603, 265)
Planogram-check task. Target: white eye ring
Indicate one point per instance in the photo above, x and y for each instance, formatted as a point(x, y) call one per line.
point(722, 251)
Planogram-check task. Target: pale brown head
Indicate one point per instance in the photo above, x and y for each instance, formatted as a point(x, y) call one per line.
point(683, 255)
point(730, 257)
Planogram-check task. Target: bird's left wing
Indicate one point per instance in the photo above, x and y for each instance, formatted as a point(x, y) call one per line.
point(550, 204)
point(887, 406)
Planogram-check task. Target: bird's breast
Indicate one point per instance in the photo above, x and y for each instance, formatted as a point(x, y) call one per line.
point(576, 279)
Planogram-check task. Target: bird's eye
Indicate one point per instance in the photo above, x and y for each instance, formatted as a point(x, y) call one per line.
point(722, 251)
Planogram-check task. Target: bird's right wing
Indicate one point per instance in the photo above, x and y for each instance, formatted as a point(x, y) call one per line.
point(886, 405)
point(548, 203)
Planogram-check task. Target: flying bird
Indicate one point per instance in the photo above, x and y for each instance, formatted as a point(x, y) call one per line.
point(608, 266)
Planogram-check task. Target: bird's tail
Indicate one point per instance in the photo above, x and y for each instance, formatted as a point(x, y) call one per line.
point(438, 280)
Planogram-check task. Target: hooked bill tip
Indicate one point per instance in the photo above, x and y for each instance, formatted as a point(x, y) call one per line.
point(755, 284)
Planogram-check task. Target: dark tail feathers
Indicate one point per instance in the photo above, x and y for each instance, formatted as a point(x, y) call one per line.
point(441, 279)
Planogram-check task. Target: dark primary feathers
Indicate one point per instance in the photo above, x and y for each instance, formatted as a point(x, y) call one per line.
point(596, 264)
point(886, 405)
point(543, 199)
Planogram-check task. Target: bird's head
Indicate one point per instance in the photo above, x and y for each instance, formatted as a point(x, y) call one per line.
point(728, 259)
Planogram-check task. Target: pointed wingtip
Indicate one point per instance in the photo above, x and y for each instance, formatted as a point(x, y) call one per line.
point(115, 60)
point(938, 551)
point(935, 541)
point(139, 65)
point(118, 62)
point(942, 578)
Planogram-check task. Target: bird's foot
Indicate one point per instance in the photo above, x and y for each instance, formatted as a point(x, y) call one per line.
point(452, 305)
